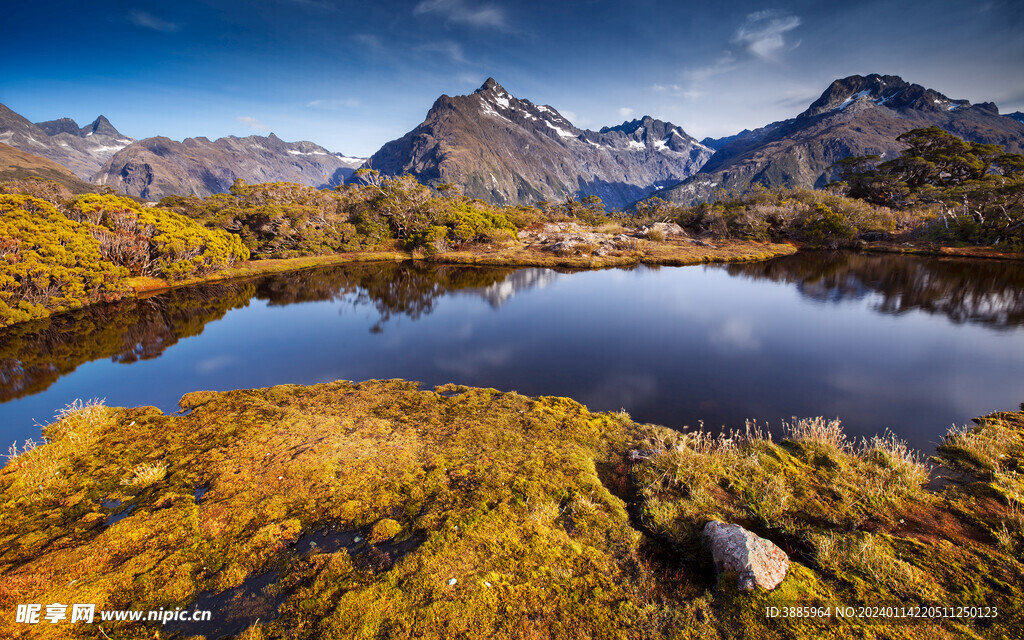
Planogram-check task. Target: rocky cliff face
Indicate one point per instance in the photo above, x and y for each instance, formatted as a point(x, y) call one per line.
point(156, 167)
point(81, 149)
point(506, 150)
point(858, 115)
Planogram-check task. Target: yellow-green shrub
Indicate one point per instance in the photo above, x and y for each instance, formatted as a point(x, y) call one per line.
point(152, 241)
point(49, 263)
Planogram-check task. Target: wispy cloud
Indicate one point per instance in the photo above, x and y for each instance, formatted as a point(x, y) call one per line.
point(323, 5)
point(676, 90)
point(334, 104)
point(574, 118)
point(369, 41)
point(149, 21)
point(725, 63)
point(735, 335)
point(625, 112)
point(483, 15)
point(252, 123)
point(448, 48)
point(763, 34)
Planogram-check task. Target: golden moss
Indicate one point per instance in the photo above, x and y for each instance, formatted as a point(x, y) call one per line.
point(474, 513)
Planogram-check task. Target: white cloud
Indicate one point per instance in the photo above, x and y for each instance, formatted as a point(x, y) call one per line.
point(368, 40)
point(478, 362)
point(448, 48)
point(214, 363)
point(149, 21)
point(334, 104)
point(676, 90)
point(763, 33)
point(735, 335)
point(725, 63)
point(626, 112)
point(252, 123)
point(485, 15)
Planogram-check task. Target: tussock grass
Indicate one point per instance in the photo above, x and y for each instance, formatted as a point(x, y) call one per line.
point(45, 464)
point(819, 432)
point(815, 473)
point(146, 474)
point(983, 448)
point(870, 556)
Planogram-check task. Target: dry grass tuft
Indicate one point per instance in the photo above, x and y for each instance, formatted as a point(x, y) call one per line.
point(866, 554)
point(40, 464)
point(818, 431)
point(146, 474)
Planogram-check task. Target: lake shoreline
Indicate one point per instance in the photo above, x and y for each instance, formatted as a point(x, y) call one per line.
point(473, 512)
point(665, 253)
point(668, 253)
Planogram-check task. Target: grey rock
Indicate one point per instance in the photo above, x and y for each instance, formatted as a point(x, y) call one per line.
point(666, 229)
point(757, 561)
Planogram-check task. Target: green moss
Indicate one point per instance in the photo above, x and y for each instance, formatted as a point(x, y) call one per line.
point(486, 514)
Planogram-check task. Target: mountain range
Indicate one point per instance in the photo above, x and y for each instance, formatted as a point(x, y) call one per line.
point(81, 149)
point(158, 167)
point(855, 116)
point(508, 150)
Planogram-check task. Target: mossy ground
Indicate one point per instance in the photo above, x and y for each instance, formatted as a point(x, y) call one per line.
point(527, 517)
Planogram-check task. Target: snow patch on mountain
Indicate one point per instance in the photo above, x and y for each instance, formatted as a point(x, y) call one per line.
point(489, 110)
point(560, 131)
point(852, 99)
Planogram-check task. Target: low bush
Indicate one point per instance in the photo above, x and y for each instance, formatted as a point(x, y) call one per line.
point(49, 263)
point(155, 242)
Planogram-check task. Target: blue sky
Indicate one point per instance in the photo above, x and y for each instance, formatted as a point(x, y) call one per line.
point(351, 76)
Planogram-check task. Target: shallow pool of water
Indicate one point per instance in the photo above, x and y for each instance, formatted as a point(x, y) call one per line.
point(906, 343)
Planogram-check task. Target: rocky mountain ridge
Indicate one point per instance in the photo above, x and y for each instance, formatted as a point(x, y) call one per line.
point(81, 149)
point(854, 116)
point(508, 150)
point(156, 167)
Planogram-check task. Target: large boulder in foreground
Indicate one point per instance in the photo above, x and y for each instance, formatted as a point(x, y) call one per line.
point(757, 561)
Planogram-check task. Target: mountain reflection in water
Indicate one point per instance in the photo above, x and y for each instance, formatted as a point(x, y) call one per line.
point(910, 343)
point(987, 292)
point(34, 355)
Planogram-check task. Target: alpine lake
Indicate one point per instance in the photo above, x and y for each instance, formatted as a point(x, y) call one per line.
point(908, 344)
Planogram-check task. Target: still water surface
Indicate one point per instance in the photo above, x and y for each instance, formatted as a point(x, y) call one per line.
point(911, 344)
